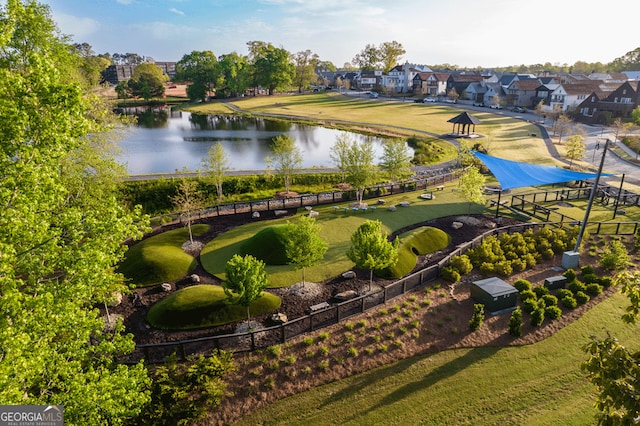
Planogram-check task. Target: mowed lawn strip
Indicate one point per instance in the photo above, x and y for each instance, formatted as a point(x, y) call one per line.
point(337, 227)
point(539, 384)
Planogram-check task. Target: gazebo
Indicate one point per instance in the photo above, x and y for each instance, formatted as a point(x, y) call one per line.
point(465, 121)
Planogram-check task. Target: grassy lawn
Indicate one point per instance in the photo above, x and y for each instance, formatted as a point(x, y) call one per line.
point(204, 306)
point(337, 228)
point(539, 384)
point(159, 258)
point(506, 137)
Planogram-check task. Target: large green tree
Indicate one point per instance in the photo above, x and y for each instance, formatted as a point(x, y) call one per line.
point(201, 70)
point(234, 73)
point(471, 185)
point(614, 369)
point(575, 148)
point(59, 241)
point(305, 63)
point(303, 244)
point(272, 66)
point(396, 159)
point(147, 81)
point(216, 165)
point(339, 154)
point(360, 166)
point(285, 157)
point(245, 281)
point(371, 249)
point(390, 54)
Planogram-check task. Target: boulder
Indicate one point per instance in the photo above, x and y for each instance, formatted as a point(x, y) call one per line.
point(392, 208)
point(345, 295)
point(279, 213)
point(404, 204)
point(456, 225)
point(348, 275)
point(195, 278)
point(313, 213)
point(166, 287)
point(116, 299)
point(279, 318)
point(490, 225)
point(255, 215)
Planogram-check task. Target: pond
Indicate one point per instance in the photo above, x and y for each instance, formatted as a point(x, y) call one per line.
point(165, 141)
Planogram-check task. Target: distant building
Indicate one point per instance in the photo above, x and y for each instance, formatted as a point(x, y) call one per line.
point(114, 74)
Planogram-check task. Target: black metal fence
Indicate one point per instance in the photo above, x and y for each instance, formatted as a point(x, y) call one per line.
point(252, 340)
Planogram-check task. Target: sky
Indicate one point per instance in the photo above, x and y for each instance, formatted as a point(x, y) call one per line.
point(466, 33)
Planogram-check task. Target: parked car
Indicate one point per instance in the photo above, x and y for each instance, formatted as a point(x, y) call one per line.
point(418, 101)
point(429, 100)
point(373, 94)
point(479, 104)
point(495, 106)
point(519, 109)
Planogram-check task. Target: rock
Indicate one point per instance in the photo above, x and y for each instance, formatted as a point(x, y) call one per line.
point(348, 275)
point(279, 213)
point(116, 299)
point(621, 211)
point(195, 278)
point(166, 287)
point(380, 202)
point(137, 301)
point(491, 225)
point(392, 208)
point(404, 204)
point(313, 213)
point(345, 295)
point(279, 318)
point(456, 225)
point(255, 215)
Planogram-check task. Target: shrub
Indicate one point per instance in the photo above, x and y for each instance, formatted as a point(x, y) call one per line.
point(349, 326)
point(518, 265)
point(362, 323)
point(577, 286)
point(462, 264)
point(529, 305)
point(275, 350)
point(594, 289)
point(569, 302)
point(582, 297)
point(540, 290)
point(528, 295)
point(537, 317)
point(550, 300)
point(548, 254)
point(570, 275)
point(587, 270)
point(504, 268)
point(323, 336)
point(522, 285)
point(450, 274)
point(291, 359)
point(478, 317)
point(515, 323)
point(563, 292)
point(606, 281)
point(323, 365)
point(308, 341)
point(614, 256)
point(324, 350)
point(590, 278)
point(352, 351)
point(553, 312)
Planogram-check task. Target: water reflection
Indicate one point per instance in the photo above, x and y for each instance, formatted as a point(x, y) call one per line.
point(165, 141)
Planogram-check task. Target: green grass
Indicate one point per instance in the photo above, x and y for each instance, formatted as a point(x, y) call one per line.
point(539, 384)
point(267, 245)
point(204, 306)
point(160, 258)
point(336, 229)
point(418, 242)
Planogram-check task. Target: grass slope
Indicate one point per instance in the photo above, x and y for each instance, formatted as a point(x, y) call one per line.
point(268, 245)
point(539, 384)
point(160, 258)
point(204, 306)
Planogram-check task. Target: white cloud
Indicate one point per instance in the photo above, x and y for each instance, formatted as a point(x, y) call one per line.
point(76, 26)
point(176, 11)
point(125, 2)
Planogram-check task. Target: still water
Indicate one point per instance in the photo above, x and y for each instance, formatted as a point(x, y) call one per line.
point(165, 141)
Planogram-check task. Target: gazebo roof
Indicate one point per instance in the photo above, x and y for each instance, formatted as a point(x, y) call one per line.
point(464, 118)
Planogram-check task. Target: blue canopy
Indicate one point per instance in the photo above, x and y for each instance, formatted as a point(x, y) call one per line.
point(513, 174)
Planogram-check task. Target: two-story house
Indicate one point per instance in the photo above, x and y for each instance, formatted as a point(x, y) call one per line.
point(522, 92)
point(569, 96)
point(430, 83)
point(603, 106)
point(400, 78)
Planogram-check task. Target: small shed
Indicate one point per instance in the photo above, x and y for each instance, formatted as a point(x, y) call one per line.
point(495, 294)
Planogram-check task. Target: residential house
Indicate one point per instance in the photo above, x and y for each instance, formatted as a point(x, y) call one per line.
point(603, 106)
point(543, 94)
point(608, 77)
point(114, 74)
point(400, 78)
point(430, 83)
point(460, 82)
point(475, 92)
point(569, 96)
point(632, 75)
point(495, 94)
point(522, 92)
point(370, 80)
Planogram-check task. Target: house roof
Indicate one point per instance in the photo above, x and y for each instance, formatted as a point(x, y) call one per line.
point(581, 88)
point(464, 118)
point(528, 84)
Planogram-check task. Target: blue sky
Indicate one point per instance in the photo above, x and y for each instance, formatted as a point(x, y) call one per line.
point(462, 32)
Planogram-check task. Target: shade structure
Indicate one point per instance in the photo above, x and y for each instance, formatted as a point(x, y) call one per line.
point(514, 174)
point(464, 121)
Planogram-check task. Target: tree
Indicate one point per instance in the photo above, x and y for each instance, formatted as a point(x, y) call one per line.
point(562, 125)
point(453, 95)
point(368, 59)
point(200, 68)
point(370, 248)
point(612, 368)
point(305, 63)
point(234, 74)
point(246, 279)
point(630, 61)
point(147, 81)
point(360, 167)
point(390, 53)
point(272, 66)
point(575, 148)
point(396, 159)
point(216, 167)
point(339, 154)
point(286, 157)
point(188, 201)
point(471, 185)
point(635, 115)
point(59, 242)
point(122, 90)
point(303, 244)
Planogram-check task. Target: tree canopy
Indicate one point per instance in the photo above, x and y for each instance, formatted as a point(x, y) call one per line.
point(245, 281)
point(370, 248)
point(201, 70)
point(59, 241)
point(303, 244)
point(285, 157)
point(147, 81)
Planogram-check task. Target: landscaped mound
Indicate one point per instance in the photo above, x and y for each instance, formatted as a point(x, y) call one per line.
point(203, 306)
point(267, 245)
point(417, 242)
point(160, 258)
